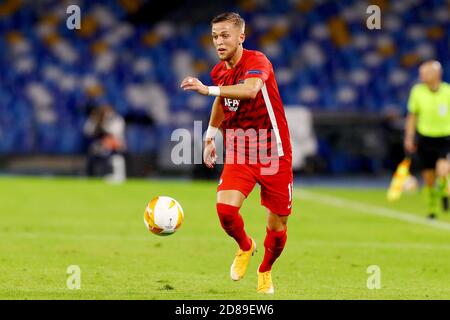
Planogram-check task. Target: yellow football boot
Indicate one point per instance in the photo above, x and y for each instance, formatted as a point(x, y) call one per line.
point(265, 282)
point(240, 263)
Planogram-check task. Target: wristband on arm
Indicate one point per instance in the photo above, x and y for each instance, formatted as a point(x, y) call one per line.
point(214, 91)
point(211, 133)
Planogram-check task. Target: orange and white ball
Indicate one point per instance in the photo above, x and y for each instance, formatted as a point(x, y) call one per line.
point(163, 216)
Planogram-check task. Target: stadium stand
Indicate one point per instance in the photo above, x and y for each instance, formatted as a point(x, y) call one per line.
point(324, 56)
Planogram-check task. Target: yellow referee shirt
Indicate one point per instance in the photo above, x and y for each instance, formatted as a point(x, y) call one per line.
point(432, 109)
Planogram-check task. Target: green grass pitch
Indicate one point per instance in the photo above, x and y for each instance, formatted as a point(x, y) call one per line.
point(334, 235)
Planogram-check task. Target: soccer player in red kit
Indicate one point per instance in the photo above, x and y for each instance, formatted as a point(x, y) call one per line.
point(249, 111)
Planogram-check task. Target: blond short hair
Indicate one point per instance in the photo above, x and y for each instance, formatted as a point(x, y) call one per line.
point(232, 17)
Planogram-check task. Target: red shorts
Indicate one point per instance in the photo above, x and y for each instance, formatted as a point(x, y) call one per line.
point(276, 188)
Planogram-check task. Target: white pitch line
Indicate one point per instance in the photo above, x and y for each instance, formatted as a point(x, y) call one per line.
point(369, 209)
point(372, 245)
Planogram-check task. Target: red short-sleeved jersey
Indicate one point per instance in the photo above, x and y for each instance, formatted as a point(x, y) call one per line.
point(263, 115)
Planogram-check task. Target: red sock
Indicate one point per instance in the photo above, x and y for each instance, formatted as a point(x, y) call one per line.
point(274, 245)
point(232, 223)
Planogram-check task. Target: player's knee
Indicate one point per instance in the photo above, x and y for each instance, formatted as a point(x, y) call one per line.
point(276, 222)
point(277, 226)
point(230, 197)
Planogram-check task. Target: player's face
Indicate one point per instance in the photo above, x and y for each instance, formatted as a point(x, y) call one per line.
point(425, 75)
point(226, 38)
point(429, 74)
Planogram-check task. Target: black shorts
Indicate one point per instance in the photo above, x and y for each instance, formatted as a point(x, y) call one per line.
point(429, 150)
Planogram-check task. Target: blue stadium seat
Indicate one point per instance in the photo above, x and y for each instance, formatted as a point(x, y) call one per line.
point(305, 26)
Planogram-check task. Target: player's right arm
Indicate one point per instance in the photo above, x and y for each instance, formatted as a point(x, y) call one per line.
point(217, 116)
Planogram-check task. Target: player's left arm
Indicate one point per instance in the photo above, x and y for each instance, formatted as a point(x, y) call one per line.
point(243, 91)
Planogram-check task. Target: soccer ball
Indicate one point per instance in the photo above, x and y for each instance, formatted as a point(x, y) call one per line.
point(163, 216)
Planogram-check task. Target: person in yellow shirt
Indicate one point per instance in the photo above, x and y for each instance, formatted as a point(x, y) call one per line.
point(427, 133)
